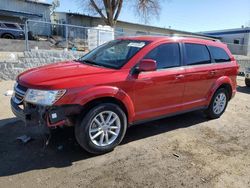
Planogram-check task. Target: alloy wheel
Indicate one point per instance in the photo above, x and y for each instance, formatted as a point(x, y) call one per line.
point(104, 128)
point(219, 103)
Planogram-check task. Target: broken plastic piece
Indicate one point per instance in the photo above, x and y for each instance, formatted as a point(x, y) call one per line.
point(24, 139)
point(176, 155)
point(9, 93)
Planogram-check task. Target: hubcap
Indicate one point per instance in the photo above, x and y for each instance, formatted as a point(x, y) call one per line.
point(104, 128)
point(219, 103)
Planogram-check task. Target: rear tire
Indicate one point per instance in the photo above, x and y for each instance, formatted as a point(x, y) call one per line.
point(102, 128)
point(247, 82)
point(218, 104)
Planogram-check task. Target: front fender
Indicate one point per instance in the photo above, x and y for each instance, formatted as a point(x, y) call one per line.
point(91, 94)
point(220, 81)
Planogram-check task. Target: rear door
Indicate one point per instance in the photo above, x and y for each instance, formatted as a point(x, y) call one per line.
point(222, 60)
point(160, 92)
point(199, 76)
point(225, 66)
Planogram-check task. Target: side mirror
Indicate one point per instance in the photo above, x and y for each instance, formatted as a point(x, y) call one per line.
point(146, 65)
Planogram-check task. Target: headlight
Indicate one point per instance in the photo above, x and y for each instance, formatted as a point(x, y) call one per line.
point(43, 97)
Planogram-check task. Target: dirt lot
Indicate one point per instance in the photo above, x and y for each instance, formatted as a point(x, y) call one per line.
point(182, 151)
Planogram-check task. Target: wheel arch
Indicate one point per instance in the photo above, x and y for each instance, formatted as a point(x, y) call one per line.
point(100, 100)
point(108, 94)
point(223, 82)
point(228, 88)
point(8, 34)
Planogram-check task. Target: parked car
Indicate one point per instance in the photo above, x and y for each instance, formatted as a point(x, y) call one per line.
point(10, 30)
point(247, 76)
point(125, 82)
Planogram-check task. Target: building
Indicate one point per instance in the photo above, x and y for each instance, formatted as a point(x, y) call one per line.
point(20, 10)
point(122, 28)
point(238, 40)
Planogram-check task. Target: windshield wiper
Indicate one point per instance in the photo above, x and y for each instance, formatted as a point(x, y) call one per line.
point(93, 63)
point(89, 62)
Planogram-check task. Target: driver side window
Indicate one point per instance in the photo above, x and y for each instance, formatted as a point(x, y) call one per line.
point(165, 55)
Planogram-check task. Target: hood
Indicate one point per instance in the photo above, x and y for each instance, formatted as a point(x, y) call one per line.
point(61, 75)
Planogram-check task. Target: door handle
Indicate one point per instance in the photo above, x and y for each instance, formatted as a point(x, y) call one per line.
point(179, 76)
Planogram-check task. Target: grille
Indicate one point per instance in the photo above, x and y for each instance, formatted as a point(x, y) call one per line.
point(19, 93)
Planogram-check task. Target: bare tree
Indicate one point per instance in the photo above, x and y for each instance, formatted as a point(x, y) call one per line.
point(146, 9)
point(109, 10)
point(55, 4)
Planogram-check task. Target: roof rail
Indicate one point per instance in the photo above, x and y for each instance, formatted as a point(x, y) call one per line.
point(196, 36)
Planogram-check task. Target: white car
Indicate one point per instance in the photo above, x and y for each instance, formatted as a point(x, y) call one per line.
point(247, 77)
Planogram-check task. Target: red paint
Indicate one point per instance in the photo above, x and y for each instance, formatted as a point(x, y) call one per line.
point(146, 94)
point(147, 65)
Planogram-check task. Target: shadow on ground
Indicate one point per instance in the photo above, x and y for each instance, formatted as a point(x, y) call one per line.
point(243, 89)
point(7, 121)
point(63, 149)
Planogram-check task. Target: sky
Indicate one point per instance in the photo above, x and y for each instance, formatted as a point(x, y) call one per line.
point(187, 15)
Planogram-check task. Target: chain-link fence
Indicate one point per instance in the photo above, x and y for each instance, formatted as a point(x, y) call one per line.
point(244, 64)
point(49, 36)
point(238, 49)
point(46, 35)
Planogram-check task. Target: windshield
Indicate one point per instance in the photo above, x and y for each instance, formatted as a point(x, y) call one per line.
point(114, 54)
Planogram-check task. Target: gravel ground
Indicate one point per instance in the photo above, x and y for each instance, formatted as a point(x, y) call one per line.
point(183, 151)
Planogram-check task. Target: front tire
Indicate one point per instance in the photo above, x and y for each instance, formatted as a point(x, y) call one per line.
point(218, 104)
point(247, 82)
point(8, 36)
point(102, 128)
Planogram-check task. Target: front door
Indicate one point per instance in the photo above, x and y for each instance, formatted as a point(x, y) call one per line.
point(160, 92)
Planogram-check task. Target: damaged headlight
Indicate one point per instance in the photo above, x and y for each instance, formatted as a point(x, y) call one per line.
point(43, 97)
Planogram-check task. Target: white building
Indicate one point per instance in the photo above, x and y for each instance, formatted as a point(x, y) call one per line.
point(238, 40)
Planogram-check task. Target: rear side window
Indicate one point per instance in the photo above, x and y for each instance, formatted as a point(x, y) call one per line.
point(219, 55)
point(12, 26)
point(197, 54)
point(165, 55)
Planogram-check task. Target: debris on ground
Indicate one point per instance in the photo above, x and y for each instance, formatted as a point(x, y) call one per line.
point(9, 93)
point(60, 147)
point(24, 139)
point(176, 155)
point(203, 179)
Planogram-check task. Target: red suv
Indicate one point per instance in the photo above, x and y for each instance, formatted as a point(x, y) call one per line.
point(124, 82)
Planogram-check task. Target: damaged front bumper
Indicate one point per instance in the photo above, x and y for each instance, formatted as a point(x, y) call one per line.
point(49, 116)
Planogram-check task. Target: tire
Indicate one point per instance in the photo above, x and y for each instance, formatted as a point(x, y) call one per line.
point(8, 36)
point(91, 122)
point(247, 82)
point(212, 112)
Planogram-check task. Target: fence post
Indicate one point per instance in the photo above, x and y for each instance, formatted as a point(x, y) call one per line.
point(66, 33)
point(26, 33)
point(98, 37)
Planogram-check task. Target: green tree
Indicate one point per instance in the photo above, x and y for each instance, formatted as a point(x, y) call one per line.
point(109, 10)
